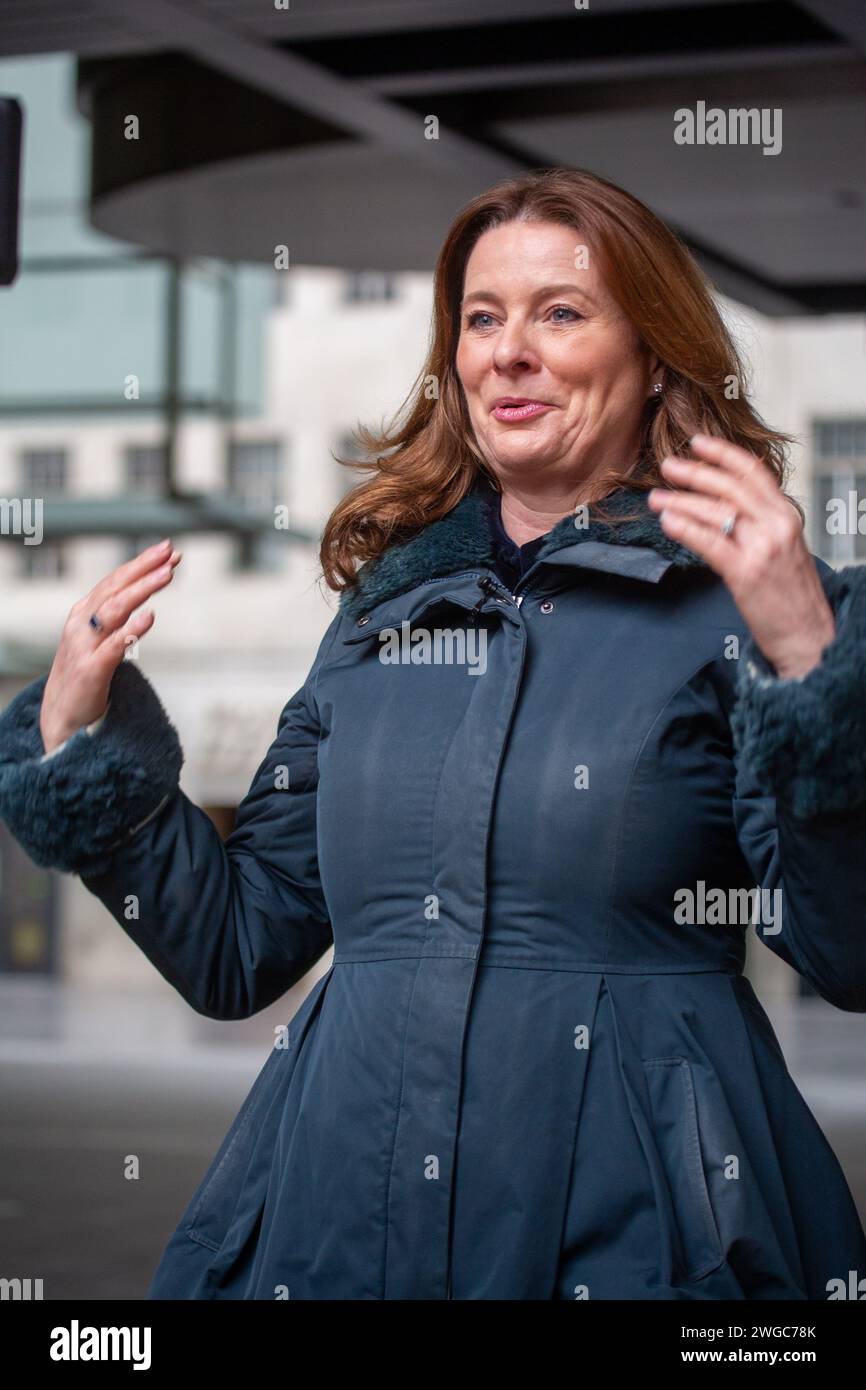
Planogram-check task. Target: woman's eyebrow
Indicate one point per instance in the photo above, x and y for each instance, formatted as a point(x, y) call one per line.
point(565, 287)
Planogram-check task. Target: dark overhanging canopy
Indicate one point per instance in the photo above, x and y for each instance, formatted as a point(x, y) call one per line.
point(305, 126)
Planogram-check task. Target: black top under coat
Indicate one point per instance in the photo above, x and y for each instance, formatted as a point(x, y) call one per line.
point(511, 561)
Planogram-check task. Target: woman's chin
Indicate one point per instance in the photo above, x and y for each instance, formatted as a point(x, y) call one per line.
point(517, 446)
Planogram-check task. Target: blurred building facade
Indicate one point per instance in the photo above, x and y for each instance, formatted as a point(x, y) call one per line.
point(275, 369)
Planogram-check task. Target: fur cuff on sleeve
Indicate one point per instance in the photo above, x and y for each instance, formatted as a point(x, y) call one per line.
point(805, 738)
point(71, 810)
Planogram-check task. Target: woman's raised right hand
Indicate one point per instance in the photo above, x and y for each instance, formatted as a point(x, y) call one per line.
point(76, 691)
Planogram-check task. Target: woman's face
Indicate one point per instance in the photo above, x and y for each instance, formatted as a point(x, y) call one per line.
point(535, 327)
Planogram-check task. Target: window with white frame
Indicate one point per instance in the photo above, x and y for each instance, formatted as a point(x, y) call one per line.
point(146, 470)
point(146, 476)
point(43, 473)
point(839, 490)
point(369, 287)
point(47, 560)
point(256, 483)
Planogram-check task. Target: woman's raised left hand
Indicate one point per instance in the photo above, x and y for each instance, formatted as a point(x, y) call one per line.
point(765, 561)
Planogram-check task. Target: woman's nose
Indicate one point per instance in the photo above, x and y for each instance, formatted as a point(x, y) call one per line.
point(512, 348)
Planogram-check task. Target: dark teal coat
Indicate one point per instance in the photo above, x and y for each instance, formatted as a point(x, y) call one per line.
point(525, 1076)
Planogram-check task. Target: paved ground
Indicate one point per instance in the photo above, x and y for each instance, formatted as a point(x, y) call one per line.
point(85, 1082)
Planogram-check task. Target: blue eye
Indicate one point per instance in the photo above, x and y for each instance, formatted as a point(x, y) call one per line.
point(472, 321)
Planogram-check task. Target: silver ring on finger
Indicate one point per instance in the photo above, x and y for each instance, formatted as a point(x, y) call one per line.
point(728, 524)
point(95, 623)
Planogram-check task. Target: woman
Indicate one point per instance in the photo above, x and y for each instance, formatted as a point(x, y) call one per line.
point(575, 708)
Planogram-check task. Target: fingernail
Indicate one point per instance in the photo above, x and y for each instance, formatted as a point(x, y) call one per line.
point(164, 543)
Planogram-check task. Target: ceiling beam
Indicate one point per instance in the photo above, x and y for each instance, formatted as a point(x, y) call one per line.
point(310, 87)
point(846, 17)
point(589, 72)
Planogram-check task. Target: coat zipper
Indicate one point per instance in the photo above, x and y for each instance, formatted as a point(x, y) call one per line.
point(517, 597)
point(490, 583)
point(489, 579)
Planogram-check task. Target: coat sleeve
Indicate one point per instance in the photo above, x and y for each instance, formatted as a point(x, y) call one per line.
point(89, 728)
point(230, 924)
point(800, 797)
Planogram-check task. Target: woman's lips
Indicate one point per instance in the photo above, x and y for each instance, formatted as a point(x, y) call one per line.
point(520, 412)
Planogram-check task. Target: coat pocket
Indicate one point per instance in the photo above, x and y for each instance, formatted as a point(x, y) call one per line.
point(676, 1132)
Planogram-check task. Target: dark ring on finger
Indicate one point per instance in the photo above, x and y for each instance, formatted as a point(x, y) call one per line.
point(95, 623)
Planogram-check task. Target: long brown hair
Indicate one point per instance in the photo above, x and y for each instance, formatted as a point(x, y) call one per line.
point(425, 465)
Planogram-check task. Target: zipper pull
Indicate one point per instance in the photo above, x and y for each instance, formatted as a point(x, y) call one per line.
point(489, 587)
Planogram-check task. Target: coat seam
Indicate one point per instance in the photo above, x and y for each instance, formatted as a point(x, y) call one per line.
point(325, 658)
point(528, 962)
point(397, 1115)
point(601, 990)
